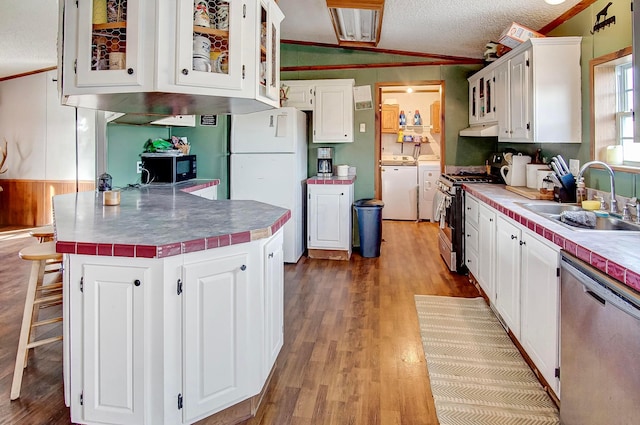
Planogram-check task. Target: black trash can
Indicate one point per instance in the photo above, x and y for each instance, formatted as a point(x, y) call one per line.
point(369, 212)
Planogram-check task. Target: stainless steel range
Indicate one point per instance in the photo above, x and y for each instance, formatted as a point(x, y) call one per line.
point(449, 207)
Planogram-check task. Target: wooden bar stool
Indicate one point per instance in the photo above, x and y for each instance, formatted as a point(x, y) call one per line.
point(46, 234)
point(39, 295)
point(43, 234)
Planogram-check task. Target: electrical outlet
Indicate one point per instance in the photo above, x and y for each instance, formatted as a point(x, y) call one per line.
point(139, 167)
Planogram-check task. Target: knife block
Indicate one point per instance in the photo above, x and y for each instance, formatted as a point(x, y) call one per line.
point(563, 195)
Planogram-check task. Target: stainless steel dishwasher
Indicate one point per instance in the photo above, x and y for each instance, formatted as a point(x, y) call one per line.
point(600, 347)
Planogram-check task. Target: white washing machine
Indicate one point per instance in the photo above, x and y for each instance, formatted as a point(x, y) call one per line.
point(428, 174)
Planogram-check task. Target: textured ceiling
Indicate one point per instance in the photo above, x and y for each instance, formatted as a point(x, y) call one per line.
point(28, 28)
point(446, 27)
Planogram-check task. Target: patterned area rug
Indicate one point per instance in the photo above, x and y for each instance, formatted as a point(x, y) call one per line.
point(478, 376)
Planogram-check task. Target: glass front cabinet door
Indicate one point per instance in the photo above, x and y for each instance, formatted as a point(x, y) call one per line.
point(210, 43)
point(269, 52)
point(218, 56)
point(108, 35)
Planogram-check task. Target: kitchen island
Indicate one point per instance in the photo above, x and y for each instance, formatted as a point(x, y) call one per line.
point(173, 305)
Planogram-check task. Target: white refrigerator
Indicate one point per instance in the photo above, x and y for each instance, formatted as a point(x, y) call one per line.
point(269, 164)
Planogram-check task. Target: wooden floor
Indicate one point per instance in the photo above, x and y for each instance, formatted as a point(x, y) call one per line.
point(352, 352)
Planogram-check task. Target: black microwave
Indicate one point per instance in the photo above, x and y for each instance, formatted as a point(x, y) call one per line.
point(161, 168)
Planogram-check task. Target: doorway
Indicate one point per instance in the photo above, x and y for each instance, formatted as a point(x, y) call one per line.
point(415, 135)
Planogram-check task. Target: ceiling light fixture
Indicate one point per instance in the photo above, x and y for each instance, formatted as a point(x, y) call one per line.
point(356, 22)
point(409, 90)
point(554, 2)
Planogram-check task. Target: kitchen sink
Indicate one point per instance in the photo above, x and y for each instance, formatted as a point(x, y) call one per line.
point(552, 211)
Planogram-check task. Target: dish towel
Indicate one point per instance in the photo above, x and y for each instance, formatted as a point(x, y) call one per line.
point(441, 203)
point(585, 219)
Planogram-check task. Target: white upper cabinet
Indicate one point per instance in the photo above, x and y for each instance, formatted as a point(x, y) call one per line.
point(172, 58)
point(536, 92)
point(333, 120)
point(300, 94)
point(332, 104)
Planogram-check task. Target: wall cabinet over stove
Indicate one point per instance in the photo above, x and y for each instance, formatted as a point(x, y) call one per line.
point(533, 93)
point(162, 58)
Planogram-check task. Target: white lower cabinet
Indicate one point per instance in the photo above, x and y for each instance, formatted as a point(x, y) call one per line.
point(486, 250)
point(471, 235)
point(216, 342)
point(539, 307)
point(329, 216)
point(527, 293)
point(507, 297)
point(173, 340)
point(273, 303)
point(113, 334)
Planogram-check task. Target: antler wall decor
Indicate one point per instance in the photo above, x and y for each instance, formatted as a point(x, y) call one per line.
point(3, 156)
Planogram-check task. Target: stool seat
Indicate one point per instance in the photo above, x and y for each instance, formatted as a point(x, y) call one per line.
point(41, 251)
point(39, 296)
point(43, 234)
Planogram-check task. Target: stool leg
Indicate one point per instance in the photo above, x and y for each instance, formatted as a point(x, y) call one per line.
point(36, 310)
point(24, 330)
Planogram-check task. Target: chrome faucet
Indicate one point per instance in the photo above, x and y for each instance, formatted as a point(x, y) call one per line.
point(613, 207)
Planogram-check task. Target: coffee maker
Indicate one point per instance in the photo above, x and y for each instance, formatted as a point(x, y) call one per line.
point(325, 162)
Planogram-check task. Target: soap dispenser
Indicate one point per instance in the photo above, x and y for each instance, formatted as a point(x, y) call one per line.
point(581, 191)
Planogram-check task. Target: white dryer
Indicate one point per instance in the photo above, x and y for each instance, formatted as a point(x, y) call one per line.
point(428, 174)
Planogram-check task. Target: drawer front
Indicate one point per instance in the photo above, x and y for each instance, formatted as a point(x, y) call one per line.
point(471, 210)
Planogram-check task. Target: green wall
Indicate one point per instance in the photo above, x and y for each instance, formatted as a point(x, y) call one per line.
point(607, 40)
point(361, 152)
point(210, 144)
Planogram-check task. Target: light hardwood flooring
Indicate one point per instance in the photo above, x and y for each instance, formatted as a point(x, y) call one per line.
point(352, 353)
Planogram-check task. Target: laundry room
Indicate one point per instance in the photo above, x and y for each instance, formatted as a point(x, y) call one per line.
point(410, 150)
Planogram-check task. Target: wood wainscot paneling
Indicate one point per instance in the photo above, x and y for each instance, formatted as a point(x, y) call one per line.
point(28, 202)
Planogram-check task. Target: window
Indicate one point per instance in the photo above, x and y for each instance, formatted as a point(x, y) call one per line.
point(612, 138)
point(624, 113)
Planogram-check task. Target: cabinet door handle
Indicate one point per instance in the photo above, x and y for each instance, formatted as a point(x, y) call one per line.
point(243, 267)
point(137, 282)
point(271, 255)
point(185, 71)
point(522, 243)
point(514, 237)
point(130, 71)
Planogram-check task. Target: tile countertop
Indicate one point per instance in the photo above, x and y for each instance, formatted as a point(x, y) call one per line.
point(159, 221)
point(615, 254)
point(331, 180)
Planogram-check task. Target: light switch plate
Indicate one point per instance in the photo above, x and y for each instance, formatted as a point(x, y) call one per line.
point(574, 166)
point(362, 127)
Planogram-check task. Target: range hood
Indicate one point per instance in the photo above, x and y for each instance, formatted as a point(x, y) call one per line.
point(480, 130)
